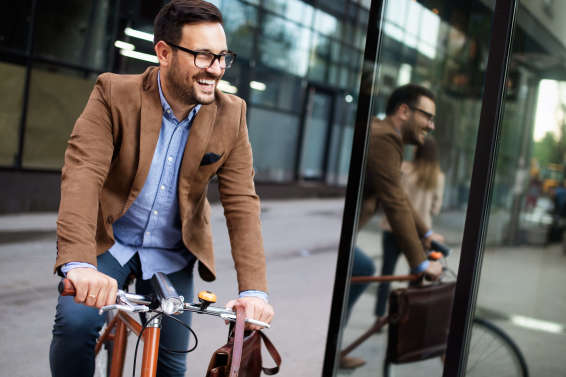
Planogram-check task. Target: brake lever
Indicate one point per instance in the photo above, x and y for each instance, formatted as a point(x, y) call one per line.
point(126, 308)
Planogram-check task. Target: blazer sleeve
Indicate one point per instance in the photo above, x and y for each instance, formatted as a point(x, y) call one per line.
point(384, 161)
point(87, 161)
point(242, 211)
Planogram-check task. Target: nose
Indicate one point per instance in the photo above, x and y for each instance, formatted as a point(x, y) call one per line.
point(215, 68)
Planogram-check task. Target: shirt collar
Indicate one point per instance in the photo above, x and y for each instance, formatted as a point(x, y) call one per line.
point(167, 108)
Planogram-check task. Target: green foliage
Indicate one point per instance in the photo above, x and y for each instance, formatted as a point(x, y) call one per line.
point(549, 150)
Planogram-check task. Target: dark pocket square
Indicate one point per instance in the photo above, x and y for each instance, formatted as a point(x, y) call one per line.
point(209, 158)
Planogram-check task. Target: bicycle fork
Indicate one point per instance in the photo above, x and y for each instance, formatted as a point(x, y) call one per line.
point(117, 331)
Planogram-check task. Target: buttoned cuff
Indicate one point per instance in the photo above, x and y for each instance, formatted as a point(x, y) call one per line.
point(69, 266)
point(421, 267)
point(253, 293)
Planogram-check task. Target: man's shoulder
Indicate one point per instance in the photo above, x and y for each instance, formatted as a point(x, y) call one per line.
point(228, 102)
point(382, 132)
point(129, 81)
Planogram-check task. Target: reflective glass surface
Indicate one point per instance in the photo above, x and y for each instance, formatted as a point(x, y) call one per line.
point(445, 50)
point(11, 91)
point(73, 31)
point(525, 254)
point(57, 97)
point(14, 25)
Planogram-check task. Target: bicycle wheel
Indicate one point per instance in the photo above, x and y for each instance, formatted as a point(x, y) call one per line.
point(493, 353)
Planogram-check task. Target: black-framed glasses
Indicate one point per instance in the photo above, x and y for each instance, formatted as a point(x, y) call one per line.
point(205, 59)
point(429, 117)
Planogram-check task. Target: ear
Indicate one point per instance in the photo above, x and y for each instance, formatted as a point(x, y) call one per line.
point(404, 111)
point(164, 53)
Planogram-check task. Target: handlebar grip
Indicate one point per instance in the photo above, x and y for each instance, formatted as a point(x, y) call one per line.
point(66, 288)
point(437, 246)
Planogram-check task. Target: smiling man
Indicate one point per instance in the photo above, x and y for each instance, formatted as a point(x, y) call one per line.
point(409, 118)
point(134, 183)
point(410, 113)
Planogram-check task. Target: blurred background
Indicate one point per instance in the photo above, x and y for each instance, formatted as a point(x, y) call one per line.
point(299, 67)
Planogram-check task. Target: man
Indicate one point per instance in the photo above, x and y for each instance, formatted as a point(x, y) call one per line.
point(134, 182)
point(410, 113)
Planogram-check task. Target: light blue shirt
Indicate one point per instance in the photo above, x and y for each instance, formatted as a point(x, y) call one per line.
point(152, 225)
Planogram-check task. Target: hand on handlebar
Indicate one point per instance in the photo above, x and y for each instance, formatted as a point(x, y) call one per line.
point(256, 308)
point(93, 288)
point(433, 237)
point(433, 271)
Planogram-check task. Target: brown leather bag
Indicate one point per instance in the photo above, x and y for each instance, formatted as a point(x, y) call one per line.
point(241, 356)
point(419, 320)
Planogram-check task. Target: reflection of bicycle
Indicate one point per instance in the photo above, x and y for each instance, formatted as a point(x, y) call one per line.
point(491, 352)
point(164, 302)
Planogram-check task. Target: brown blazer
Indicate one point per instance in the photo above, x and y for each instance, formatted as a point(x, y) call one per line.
point(108, 158)
point(383, 186)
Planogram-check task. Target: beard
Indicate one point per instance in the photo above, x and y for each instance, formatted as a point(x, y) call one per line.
point(187, 94)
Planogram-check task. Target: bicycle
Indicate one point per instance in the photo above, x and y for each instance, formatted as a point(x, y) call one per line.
point(492, 352)
point(164, 302)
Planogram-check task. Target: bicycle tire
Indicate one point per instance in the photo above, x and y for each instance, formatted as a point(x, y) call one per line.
point(491, 353)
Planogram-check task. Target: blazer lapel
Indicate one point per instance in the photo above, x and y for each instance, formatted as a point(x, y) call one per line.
point(150, 125)
point(200, 133)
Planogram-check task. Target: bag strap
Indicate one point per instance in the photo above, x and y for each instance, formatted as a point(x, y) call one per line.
point(274, 355)
point(238, 341)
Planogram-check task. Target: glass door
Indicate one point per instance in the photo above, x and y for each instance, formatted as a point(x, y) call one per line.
point(315, 134)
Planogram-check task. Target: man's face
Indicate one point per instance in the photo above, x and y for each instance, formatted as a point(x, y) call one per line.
point(420, 121)
point(187, 82)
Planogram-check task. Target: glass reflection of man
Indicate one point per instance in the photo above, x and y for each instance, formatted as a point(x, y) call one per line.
point(409, 118)
point(133, 190)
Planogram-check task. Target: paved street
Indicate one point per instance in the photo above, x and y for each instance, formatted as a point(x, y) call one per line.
point(300, 241)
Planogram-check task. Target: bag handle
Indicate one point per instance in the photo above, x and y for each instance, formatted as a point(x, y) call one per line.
point(238, 341)
point(274, 355)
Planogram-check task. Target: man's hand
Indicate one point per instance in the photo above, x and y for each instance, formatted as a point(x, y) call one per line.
point(433, 271)
point(93, 288)
point(256, 308)
point(433, 237)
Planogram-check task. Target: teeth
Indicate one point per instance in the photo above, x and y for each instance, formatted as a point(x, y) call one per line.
point(206, 82)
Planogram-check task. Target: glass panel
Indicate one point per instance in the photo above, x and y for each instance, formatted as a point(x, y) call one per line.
point(277, 162)
point(15, 25)
point(72, 31)
point(284, 45)
point(294, 10)
point(416, 50)
point(11, 91)
point(316, 125)
point(525, 254)
point(274, 89)
point(240, 22)
point(57, 97)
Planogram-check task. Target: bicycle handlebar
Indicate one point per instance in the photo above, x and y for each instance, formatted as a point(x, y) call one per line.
point(141, 303)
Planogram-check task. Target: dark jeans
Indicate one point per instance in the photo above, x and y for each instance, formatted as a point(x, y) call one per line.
point(77, 326)
point(363, 266)
point(391, 254)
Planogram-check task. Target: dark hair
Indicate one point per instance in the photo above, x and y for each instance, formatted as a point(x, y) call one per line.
point(407, 94)
point(169, 22)
point(426, 164)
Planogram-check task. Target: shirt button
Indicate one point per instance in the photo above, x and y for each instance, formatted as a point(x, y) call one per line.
point(147, 233)
point(169, 158)
point(155, 212)
point(162, 187)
